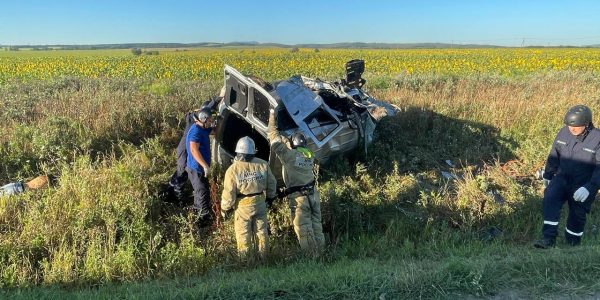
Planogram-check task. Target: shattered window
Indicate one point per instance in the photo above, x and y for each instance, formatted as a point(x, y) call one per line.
point(320, 123)
point(261, 107)
point(232, 97)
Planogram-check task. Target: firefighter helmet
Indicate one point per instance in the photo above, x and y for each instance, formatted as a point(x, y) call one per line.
point(298, 140)
point(245, 145)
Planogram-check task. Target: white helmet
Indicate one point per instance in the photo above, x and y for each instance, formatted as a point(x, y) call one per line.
point(245, 145)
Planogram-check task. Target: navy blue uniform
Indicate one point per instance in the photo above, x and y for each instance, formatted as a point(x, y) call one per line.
point(574, 162)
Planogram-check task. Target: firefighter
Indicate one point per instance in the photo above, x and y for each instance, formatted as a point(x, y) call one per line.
point(249, 187)
point(299, 178)
point(197, 143)
point(573, 173)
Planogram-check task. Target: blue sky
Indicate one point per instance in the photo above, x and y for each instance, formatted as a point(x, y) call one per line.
point(575, 22)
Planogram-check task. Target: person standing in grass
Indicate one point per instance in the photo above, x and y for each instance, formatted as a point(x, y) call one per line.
point(197, 143)
point(573, 175)
point(299, 178)
point(249, 188)
point(180, 176)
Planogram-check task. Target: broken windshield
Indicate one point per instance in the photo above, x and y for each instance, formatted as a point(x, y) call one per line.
point(320, 123)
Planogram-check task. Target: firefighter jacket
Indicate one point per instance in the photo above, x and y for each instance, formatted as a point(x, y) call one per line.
point(246, 183)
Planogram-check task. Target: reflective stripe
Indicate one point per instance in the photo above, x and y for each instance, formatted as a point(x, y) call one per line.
point(573, 233)
point(589, 150)
point(561, 142)
point(550, 223)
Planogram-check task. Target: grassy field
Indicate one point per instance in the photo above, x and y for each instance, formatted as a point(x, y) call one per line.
point(395, 227)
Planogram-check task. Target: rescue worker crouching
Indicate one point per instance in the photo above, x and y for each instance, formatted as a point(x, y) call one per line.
point(244, 187)
point(573, 172)
point(299, 178)
point(180, 175)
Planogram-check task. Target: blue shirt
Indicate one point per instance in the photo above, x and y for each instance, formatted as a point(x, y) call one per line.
point(198, 135)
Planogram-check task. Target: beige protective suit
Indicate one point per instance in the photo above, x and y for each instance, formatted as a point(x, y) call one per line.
point(305, 206)
point(244, 189)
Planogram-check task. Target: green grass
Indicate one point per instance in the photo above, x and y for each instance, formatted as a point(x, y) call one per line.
point(395, 227)
point(492, 270)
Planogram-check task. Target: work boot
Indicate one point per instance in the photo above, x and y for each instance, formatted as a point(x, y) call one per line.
point(544, 243)
point(572, 240)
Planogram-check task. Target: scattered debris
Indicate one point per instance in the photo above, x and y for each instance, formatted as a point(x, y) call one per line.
point(449, 176)
point(13, 188)
point(497, 197)
point(19, 187)
point(491, 233)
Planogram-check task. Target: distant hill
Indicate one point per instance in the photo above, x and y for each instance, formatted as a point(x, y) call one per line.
point(349, 45)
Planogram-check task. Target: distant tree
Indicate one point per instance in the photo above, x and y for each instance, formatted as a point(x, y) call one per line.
point(294, 50)
point(317, 50)
point(13, 48)
point(136, 51)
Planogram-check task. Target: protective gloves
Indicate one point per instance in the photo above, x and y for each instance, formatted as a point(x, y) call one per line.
point(206, 171)
point(581, 194)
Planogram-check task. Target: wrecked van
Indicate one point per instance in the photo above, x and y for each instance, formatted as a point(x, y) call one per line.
point(335, 117)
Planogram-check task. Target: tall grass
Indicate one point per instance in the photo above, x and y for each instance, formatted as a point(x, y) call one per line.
point(111, 143)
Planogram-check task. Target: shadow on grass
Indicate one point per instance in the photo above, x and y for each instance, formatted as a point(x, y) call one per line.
point(402, 191)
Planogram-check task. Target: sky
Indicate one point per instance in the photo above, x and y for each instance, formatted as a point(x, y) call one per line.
point(505, 23)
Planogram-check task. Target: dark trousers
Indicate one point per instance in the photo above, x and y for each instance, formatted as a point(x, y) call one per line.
point(201, 193)
point(555, 195)
point(180, 176)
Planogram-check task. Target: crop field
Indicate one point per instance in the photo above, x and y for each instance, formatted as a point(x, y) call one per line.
point(107, 123)
point(281, 63)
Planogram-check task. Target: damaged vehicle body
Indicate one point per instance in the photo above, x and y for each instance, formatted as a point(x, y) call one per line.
point(335, 117)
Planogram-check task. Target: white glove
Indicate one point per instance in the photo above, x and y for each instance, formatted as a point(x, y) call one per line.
point(546, 182)
point(206, 172)
point(581, 194)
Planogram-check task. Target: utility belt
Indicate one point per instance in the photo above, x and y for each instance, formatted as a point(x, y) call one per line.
point(246, 199)
point(305, 190)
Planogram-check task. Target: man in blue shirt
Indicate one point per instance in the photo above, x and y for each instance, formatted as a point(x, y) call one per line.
point(197, 143)
point(572, 173)
point(180, 176)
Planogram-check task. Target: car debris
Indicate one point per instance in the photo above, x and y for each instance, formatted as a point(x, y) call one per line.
point(18, 187)
point(336, 117)
point(449, 176)
point(449, 163)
